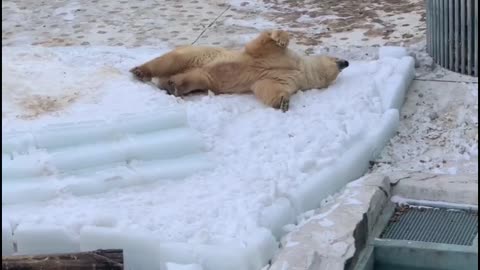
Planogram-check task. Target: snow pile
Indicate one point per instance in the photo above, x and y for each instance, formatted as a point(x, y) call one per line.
point(392, 51)
point(174, 266)
point(267, 166)
point(93, 157)
point(7, 239)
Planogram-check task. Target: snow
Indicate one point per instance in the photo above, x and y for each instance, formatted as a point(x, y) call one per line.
point(99, 167)
point(68, 134)
point(405, 72)
point(32, 238)
point(28, 191)
point(356, 159)
point(140, 250)
point(174, 266)
point(392, 51)
point(266, 167)
point(7, 239)
point(92, 157)
point(276, 215)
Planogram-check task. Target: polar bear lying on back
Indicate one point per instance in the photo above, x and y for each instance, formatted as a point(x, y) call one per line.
point(265, 67)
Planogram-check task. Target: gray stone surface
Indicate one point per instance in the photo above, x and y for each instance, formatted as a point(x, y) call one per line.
point(178, 22)
point(438, 132)
point(107, 23)
point(459, 189)
point(326, 240)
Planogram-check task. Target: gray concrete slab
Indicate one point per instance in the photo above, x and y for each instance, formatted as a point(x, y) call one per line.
point(327, 239)
point(333, 234)
point(106, 23)
point(455, 189)
point(438, 131)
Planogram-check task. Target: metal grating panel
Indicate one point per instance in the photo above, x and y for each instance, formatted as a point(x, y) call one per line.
point(445, 226)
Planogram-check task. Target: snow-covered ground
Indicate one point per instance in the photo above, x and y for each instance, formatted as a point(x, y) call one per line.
point(267, 167)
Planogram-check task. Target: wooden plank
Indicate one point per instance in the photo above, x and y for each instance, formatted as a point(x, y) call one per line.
point(108, 259)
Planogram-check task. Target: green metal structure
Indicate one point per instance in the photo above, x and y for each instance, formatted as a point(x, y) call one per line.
point(421, 238)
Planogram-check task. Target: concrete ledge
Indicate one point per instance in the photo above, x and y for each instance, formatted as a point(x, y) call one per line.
point(334, 236)
point(331, 237)
point(460, 189)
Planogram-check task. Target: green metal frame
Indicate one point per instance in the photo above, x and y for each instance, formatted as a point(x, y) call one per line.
point(408, 255)
point(425, 255)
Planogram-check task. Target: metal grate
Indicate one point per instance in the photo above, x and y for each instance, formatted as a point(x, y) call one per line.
point(447, 226)
point(452, 34)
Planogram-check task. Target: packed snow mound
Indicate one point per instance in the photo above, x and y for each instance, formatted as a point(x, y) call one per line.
point(92, 157)
point(267, 167)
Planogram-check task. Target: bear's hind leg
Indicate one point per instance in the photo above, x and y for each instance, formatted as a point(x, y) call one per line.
point(176, 61)
point(273, 94)
point(162, 66)
point(185, 83)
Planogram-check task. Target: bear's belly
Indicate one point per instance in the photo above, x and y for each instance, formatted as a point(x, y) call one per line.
point(231, 77)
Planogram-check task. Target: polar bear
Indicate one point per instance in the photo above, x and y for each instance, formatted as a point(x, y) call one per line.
point(265, 66)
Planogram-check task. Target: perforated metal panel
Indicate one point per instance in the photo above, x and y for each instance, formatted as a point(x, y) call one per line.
point(446, 226)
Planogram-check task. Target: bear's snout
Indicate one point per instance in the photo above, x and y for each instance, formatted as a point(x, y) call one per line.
point(341, 64)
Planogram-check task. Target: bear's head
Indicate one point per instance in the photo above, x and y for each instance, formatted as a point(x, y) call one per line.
point(329, 67)
point(334, 64)
point(341, 64)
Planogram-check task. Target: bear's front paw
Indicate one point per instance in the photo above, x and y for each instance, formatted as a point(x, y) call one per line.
point(139, 74)
point(280, 37)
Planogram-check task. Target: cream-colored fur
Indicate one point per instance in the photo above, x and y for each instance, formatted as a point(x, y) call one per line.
point(265, 67)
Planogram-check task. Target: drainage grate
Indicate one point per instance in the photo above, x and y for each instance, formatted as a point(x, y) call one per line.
point(435, 225)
